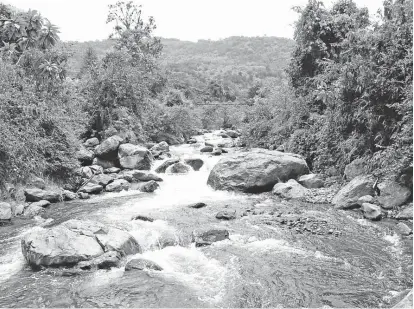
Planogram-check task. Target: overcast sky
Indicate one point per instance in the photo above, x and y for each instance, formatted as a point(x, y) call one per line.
point(84, 20)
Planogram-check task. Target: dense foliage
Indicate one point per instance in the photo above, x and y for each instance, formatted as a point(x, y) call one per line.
point(352, 89)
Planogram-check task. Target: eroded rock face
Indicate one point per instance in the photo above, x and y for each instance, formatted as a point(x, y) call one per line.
point(311, 181)
point(209, 236)
point(35, 195)
point(290, 190)
point(392, 194)
point(135, 157)
point(256, 171)
point(348, 196)
point(75, 241)
point(108, 149)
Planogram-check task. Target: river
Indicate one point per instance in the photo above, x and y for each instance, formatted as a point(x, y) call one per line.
point(263, 264)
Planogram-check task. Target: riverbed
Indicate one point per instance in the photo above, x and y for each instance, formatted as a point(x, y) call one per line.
point(346, 261)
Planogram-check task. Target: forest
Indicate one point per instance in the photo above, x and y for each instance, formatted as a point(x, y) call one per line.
point(340, 91)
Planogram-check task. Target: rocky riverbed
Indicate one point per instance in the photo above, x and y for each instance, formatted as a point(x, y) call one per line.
point(276, 237)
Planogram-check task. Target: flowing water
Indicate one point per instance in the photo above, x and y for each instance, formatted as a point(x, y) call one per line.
point(262, 264)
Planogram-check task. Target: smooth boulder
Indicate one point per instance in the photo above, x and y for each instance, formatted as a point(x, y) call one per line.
point(91, 188)
point(195, 163)
point(149, 186)
point(256, 171)
point(135, 157)
point(207, 149)
point(348, 196)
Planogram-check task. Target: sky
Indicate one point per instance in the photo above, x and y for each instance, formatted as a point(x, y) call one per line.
point(190, 20)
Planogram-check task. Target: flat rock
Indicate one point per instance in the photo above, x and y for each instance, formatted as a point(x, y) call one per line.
point(141, 264)
point(255, 171)
point(35, 195)
point(348, 196)
point(197, 205)
point(208, 236)
point(91, 188)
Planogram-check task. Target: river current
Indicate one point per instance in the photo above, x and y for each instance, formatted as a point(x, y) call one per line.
point(263, 264)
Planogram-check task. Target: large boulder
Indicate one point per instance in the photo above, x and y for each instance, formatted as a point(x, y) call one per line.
point(348, 196)
point(195, 163)
point(311, 181)
point(208, 236)
point(5, 211)
point(58, 246)
point(161, 147)
point(85, 156)
point(118, 185)
point(406, 213)
point(108, 149)
point(256, 171)
point(392, 194)
point(35, 195)
point(141, 264)
point(165, 164)
point(355, 168)
point(135, 157)
point(178, 168)
point(290, 190)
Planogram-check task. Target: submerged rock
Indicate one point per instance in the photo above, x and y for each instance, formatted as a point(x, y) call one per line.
point(256, 171)
point(207, 149)
point(348, 196)
point(135, 157)
point(197, 205)
point(112, 170)
point(209, 236)
point(108, 149)
point(141, 264)
point(290, 190)
point(143, 218)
